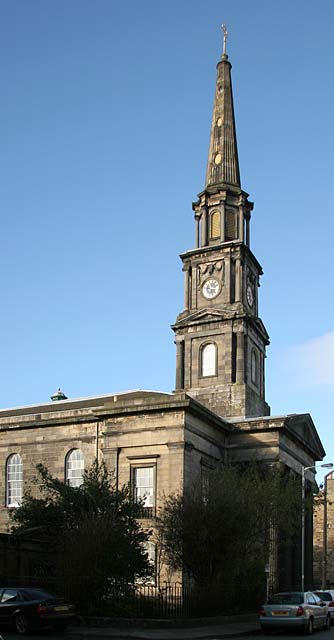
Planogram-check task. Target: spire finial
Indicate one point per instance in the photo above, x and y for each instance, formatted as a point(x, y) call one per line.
point(225, 36)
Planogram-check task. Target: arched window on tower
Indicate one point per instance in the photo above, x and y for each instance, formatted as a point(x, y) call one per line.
point(214, 225)
point(254, 367)
point(74, 468)
point(14, 480)
point(209, 360)
point(230, 225)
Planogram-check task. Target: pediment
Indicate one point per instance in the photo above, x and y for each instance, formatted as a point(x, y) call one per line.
point(204, 315)
point(298, 428)
point(302, 426)
point(257, 322)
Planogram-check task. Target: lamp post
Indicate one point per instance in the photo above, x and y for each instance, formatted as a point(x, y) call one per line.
point(328, 465)
point(324, 540)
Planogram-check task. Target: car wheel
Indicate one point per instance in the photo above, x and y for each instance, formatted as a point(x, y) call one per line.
point(21, 623)
point(309, 628)
point(327, 623)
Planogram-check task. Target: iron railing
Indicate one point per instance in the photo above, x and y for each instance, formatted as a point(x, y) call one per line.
point(170, 600)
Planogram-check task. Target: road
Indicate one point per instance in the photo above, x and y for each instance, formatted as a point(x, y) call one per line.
point(53, 635)
point(7, 634)
point(317, 635)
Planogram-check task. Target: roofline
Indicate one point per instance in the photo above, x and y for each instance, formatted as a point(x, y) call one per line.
point(59, 404)
point(282, 416)
point(99, 407)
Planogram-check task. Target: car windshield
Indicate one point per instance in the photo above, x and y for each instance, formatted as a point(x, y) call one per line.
point(286, 598)
point(324, 596)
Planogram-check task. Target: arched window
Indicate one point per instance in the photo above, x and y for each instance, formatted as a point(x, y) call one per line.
point(209, 360)
point(74, 468)
point(231, 225)
point(215, 225)
point(14, 480)
point(254, 367)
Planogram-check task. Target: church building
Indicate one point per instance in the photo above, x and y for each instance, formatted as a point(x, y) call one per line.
point(161, 442)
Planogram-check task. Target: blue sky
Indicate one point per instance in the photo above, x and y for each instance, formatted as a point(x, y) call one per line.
point(105, 116)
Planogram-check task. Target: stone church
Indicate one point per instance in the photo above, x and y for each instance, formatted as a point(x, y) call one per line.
point(161, 442)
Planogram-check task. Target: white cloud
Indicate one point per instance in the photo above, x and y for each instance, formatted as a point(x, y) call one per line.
point(311, 363)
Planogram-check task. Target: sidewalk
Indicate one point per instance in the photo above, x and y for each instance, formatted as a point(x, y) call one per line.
point(199, 630)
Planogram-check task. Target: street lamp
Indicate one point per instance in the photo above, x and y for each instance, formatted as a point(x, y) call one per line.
point(324, 541)
point(328, 465)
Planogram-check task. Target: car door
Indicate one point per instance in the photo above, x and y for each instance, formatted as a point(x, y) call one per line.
point(321, 608)
point(8, 603)
point(317, 611)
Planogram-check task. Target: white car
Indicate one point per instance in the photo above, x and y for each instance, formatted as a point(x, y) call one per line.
point(294, 610)
point(327, 596)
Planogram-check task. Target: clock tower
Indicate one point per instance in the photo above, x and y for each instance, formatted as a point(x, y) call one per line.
point(220, 339)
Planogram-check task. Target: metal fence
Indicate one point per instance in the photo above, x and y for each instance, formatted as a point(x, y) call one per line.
point(170, 600)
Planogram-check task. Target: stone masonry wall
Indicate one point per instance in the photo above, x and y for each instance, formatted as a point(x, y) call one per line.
point(323, 568)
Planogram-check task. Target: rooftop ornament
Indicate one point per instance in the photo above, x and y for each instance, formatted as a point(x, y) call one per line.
point(59, 395)
point(225, 36)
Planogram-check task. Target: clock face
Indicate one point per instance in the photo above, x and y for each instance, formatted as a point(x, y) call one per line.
point(250, 296)
point(210, 288)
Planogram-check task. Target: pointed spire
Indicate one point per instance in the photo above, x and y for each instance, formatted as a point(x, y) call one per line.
point(223, 163)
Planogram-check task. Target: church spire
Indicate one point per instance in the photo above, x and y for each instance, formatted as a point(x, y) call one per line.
point(223, 163)
point(220, 339)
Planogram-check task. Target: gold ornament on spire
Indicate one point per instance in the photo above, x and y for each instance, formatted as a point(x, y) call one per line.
point(225, 36)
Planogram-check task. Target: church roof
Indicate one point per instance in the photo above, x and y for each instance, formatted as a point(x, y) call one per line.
point(98, 407)
point(87, 401)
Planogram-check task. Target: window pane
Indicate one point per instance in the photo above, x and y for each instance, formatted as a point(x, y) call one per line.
point(209, 360)
point(14, 480)
point(9, 594)
point(149, 548)
point(145, 494)
point(144, 477)
point(144, 485)
point(75, 464)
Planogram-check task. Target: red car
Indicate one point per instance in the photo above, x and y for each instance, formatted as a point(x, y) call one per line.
point(28, 608)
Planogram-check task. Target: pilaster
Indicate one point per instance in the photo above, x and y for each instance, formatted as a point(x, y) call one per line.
point(179, 365)
point(240, 374)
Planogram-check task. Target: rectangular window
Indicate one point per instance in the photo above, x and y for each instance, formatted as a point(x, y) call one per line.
point(234, 358)
point(150, 549)
point(207, 469)
point(151, 556)
point(143, 483)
